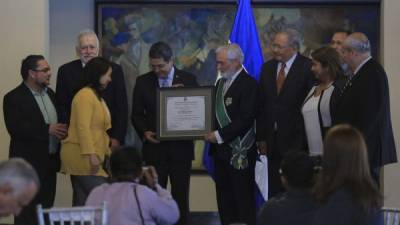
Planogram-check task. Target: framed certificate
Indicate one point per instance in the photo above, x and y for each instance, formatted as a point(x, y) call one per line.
point(184, 112)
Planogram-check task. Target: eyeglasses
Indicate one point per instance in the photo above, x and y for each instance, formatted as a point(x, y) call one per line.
point(159, 66)
point(278, 47)
point(44, 70)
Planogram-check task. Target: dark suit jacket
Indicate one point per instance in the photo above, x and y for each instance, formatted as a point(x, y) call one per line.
point(294, 207)
point(144, 113)
point(285, 108)
point(28, 131)
point(243, 93)
point(69, 81)
point(366, 106)
point(341, 208)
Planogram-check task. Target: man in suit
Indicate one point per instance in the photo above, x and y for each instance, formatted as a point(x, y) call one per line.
point(172, 159)
point(296, 205)
point(70, 79)
point(31, 119)
point(336, 43)
point(285, 81)
point(233, 142)
point(365, 103)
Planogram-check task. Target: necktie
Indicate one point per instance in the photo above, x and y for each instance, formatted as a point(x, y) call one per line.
point(281, 78)
point(347, 84)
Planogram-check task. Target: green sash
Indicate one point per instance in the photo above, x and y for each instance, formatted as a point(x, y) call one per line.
point(239, 146)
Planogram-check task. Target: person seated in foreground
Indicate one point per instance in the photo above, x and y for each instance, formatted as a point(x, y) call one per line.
point(134, 195)
point(19, 184)
point(345, 189)
point(296, 206)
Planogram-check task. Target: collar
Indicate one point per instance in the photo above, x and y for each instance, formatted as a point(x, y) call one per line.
point(170, 75)
point(232, 78)
point(361, 64)
point(289, 62)
point(39, 93)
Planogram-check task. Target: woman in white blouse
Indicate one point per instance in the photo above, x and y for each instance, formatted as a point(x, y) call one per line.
point(317, 106)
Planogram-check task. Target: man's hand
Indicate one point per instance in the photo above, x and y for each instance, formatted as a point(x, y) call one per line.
point(151, 137)
point(94, 164)
point(262, 147)
point(210, 137)
point(150, 176)
point(114, 143)
point(59, 130)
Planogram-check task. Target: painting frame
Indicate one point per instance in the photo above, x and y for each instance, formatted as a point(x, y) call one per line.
point(190, 58)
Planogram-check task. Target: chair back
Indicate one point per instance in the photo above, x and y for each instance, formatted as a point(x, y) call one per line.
point(86, 215)
point(391, 216)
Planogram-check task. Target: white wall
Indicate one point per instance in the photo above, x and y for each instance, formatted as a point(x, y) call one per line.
point(24, 30)
point(391, 61)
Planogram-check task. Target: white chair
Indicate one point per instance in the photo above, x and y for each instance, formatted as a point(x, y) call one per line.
point(391, 216)
point(86, 215)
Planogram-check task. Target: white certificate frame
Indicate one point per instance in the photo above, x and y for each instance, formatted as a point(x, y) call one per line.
point(162, 114)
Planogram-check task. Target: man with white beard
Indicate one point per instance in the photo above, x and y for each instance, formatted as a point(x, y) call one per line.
point(233, 143)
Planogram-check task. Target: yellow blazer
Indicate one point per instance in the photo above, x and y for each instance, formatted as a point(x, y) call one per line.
point(90, 119)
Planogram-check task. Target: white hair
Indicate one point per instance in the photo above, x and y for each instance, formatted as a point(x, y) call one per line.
point(86, 32)
point(233, 51)
point(18, 174)
point(295, 38)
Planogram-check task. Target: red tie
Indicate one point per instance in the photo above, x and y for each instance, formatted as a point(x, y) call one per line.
point(281, 78)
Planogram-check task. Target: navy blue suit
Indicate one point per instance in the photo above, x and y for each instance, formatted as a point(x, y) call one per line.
point(235, 188)
point(366, 105)
point(171, 159)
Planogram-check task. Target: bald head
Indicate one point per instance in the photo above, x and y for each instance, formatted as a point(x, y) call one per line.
point(358, 42)
point(356, 49)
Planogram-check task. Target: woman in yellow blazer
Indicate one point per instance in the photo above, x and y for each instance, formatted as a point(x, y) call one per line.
point(84, 150)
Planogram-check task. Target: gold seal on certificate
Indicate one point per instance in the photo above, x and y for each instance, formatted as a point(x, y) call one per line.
point(184, 112)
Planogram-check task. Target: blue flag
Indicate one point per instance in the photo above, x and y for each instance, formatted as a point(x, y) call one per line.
point(244, 33)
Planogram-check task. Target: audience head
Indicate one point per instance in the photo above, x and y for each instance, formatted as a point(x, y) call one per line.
point(326, 64)
point(19, 183)
point(87, 45)
point(285, 44)
point(338, 37)
point(98, 73)
point(356, 48)
point(161, 61)
point(35, 71)
point(126, 164)
point(345, 165)
point(297, 170)
point(229, 59)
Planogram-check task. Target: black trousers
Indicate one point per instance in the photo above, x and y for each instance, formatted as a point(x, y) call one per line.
point(235, 193)
point(178, 173)
point(45, 197)
point(82, 186)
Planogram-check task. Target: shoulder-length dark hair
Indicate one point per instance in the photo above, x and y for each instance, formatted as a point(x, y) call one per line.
point(125, 164)
point(345, 165)
point(330, 60)
point(93, 71)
